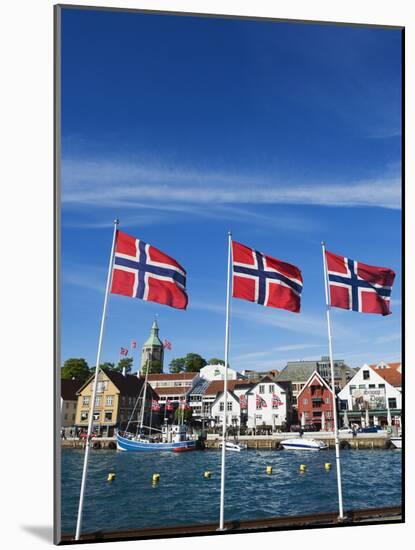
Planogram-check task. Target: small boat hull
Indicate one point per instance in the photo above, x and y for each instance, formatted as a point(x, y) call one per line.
point(184, 449)
point(132, 445)
point(235, 447)
point(300, 444)
point(397, 442)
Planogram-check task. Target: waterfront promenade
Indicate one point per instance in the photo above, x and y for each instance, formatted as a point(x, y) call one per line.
point(263, 442)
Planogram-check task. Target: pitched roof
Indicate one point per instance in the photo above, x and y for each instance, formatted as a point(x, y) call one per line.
point(172, 390)
point(392, 376)
point(217, 386)
point(129, 384)
point(171, 376)
point(219, 395)
point(69, 389)
point(300, 371)
point(394, 366)
point(320, 379)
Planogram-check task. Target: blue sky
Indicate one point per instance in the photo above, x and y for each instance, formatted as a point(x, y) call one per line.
point(184, 128)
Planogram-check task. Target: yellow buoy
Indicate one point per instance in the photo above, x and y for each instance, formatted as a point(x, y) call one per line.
point(269, 469)
point(327, 466)
point(207, 474)
point(155, 478)
point(303, 467)
point(111, 476)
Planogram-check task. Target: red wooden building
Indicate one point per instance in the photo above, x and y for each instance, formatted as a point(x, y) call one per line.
point(315, 403)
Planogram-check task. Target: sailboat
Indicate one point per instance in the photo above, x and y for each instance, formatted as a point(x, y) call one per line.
point(169, 438)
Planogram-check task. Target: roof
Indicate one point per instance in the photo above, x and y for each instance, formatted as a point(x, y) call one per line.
point(219, 395)
point(394, 366)
point(392, 376)
point(314, 374)
point(129, 384)
point(300, 371)
point(172, 390)
point(217, 386)
point(173, 376)
point(69, 387)
point(154, 340)
point(264, 380)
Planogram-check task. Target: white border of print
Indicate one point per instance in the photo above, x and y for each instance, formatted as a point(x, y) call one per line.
point(27, 309)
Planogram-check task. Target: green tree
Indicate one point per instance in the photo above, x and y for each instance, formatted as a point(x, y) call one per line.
point(107, 365)
point(194, 362)
point(126, 362)
point(182, 415)
point(153, 366)
point(75, 368)
point(177, 365)
point(215, 361)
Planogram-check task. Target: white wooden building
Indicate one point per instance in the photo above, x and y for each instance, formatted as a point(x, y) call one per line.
point(267, 405)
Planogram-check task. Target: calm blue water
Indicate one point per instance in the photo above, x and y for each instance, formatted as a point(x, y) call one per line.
point(183, 496)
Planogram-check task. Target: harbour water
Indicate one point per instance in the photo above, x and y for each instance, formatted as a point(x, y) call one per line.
point(183, 496)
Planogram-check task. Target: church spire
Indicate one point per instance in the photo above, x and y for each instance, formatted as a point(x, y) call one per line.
point(152, 353)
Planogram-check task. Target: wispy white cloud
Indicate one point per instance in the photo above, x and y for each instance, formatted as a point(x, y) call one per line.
point(130, 185)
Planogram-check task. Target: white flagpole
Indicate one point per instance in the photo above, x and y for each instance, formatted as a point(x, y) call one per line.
point(333, 390)
point(225, 388)
point(94, 392)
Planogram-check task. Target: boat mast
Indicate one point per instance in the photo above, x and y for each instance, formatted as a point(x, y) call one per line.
point(144, 396)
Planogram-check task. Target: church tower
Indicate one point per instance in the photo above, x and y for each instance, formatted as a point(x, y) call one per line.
point(152, 353)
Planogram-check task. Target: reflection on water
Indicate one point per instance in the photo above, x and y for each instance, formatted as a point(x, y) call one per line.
point(185, 496)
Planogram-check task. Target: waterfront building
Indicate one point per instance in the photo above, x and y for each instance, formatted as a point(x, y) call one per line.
point(115, 401)
point(315, 403)
point(152, 352)
point(268, 405)
point(233, 417)
point(172, 386)
point(217, 372)
point(69, 400)
point(369, 399)
point(299, 372)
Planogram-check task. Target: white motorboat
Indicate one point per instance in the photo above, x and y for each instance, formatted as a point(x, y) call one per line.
point(303, 444)
point(397, 441)
point(237, 447)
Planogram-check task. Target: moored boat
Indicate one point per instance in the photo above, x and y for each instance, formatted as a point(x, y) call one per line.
point(303, 444)
point(231, 446)
point(172, 438)
point(397, 441)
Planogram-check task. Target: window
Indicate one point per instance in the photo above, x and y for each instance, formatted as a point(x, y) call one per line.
point(352, 388)
point(102, 386)
point(108, 415)
point(66, 405)
point(109, 401)
point(258, 416)
point(73, 417)
point(294, 400)
point(229, 405)
point(392, 402)
point(371, 386)
point(96, 415)
point(328, 400)
point(362, 386)
point(66, 417)
point(85, 400)
point(261, 388)
point(98, 401)
point(343, 405)
point(221, 406)
point(271, 388)
point(305, 401)
point(329, 415)
point(84, 415)
point(380, 386)
point(366, 375)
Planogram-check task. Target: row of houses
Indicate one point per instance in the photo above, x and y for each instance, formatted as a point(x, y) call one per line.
point(299, 394)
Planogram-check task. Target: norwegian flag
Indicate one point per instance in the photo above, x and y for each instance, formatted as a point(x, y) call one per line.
point(123, 351)
point(183, 404)
point(155, 406)
point(260, 403)
point(169, 405)
point(265, 280)
point(243, 402)
point(167, 344)
point(357, 286)
point(133, 344)
point(142, 271)
point(276, 401)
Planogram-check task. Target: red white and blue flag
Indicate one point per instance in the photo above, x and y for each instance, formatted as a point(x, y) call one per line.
point(167, 344)
point(142, 271)
point(243, 402)
point(133, 344)
point(276, 401)
point(169, 405)
point(260, 402)
point(357, 286)
point(155, 405)
point(265, 280)
point(123, 351)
